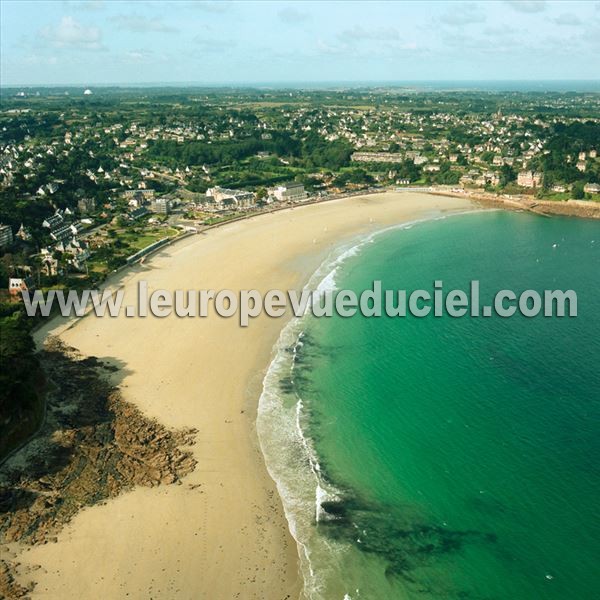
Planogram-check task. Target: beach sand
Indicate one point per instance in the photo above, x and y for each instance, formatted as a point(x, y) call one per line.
point(222, 533)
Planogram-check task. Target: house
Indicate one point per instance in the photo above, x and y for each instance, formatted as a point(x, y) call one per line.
point(65, 231)
point(16, 285)
point(581, 166)
point(139, 212)
point(383, 157)
point(591, 188)
point(6, 236)
point(230, 198)
point(49, 263)
point(55, 221)
point(86, 205)
point(146, 194)
point(79, 251)
point(23, 234)
point(529, 179)
point(161, 206)
point(289, 192)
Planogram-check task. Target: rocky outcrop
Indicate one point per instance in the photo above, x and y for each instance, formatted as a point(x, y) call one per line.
point(93, 446)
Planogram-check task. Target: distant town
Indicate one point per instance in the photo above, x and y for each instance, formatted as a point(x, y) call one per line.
point(94, 179)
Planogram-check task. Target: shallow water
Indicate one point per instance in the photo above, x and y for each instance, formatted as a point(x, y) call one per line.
point(444, 457)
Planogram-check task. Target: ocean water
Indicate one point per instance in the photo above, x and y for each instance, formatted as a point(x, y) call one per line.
point(445, 457)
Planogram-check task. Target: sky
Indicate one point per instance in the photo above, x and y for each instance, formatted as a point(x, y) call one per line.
point(102, 42)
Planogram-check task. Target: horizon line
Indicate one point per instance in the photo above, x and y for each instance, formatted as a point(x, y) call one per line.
point(239, 84)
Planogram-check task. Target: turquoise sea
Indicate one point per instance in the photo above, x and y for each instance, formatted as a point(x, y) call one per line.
point(443, 457)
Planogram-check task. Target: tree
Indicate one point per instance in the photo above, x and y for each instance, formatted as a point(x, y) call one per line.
point(261, 194)
point(578, 193)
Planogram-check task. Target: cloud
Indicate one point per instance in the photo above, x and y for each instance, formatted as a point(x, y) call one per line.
point(527, 6)
point(36, 59)
point(87, 5)
point(500, 31)
point(463, 14)
point(359, 34)
point(326, 48)
point(142, 56)
point(69, 33)
point(292, 16)
point(208, 6)
point(384, 42)
point(140, 24)
point(214, 45)
point(567, 19)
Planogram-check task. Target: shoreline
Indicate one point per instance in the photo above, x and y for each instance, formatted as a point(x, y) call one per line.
point(226, 519)
point(581, 209)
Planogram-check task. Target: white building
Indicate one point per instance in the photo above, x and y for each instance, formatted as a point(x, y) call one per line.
point(161, 206)
point(226, 198)
point(289, 192)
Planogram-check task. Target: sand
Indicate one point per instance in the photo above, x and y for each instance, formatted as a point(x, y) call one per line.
point(222, 533)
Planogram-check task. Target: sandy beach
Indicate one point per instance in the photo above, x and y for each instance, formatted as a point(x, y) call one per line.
point(222, 533)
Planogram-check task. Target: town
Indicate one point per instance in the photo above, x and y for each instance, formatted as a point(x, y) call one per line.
point(94, 179)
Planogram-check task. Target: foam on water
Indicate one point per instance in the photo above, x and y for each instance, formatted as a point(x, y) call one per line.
point(289, 453)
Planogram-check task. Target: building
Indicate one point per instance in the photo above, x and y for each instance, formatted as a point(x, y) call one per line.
point(146, 194)
point(529, 179)
point(16, 285)
point(581, 166)
point(289, 192)
point(139, 212)
point(383, 157)
point(79, 251)
point(55, 221)
point(23, 234)
point(162, 206)
point(6, 236)
point(65, 231)
point(86, 205)
point(227, 198)
point(591, 188)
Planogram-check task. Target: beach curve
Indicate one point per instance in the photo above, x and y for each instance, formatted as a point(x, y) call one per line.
point(223, 532)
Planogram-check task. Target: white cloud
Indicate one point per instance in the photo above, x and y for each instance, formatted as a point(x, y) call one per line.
point(213, 44)
point(69, 33)
point(464, 13)
point(359, 34)
point(527, 6)
point(85, 4)
point(210, 6)
point(140, 24)
point(142, 56)
point(292, 16)
point(567, 19)
point(36, 59)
